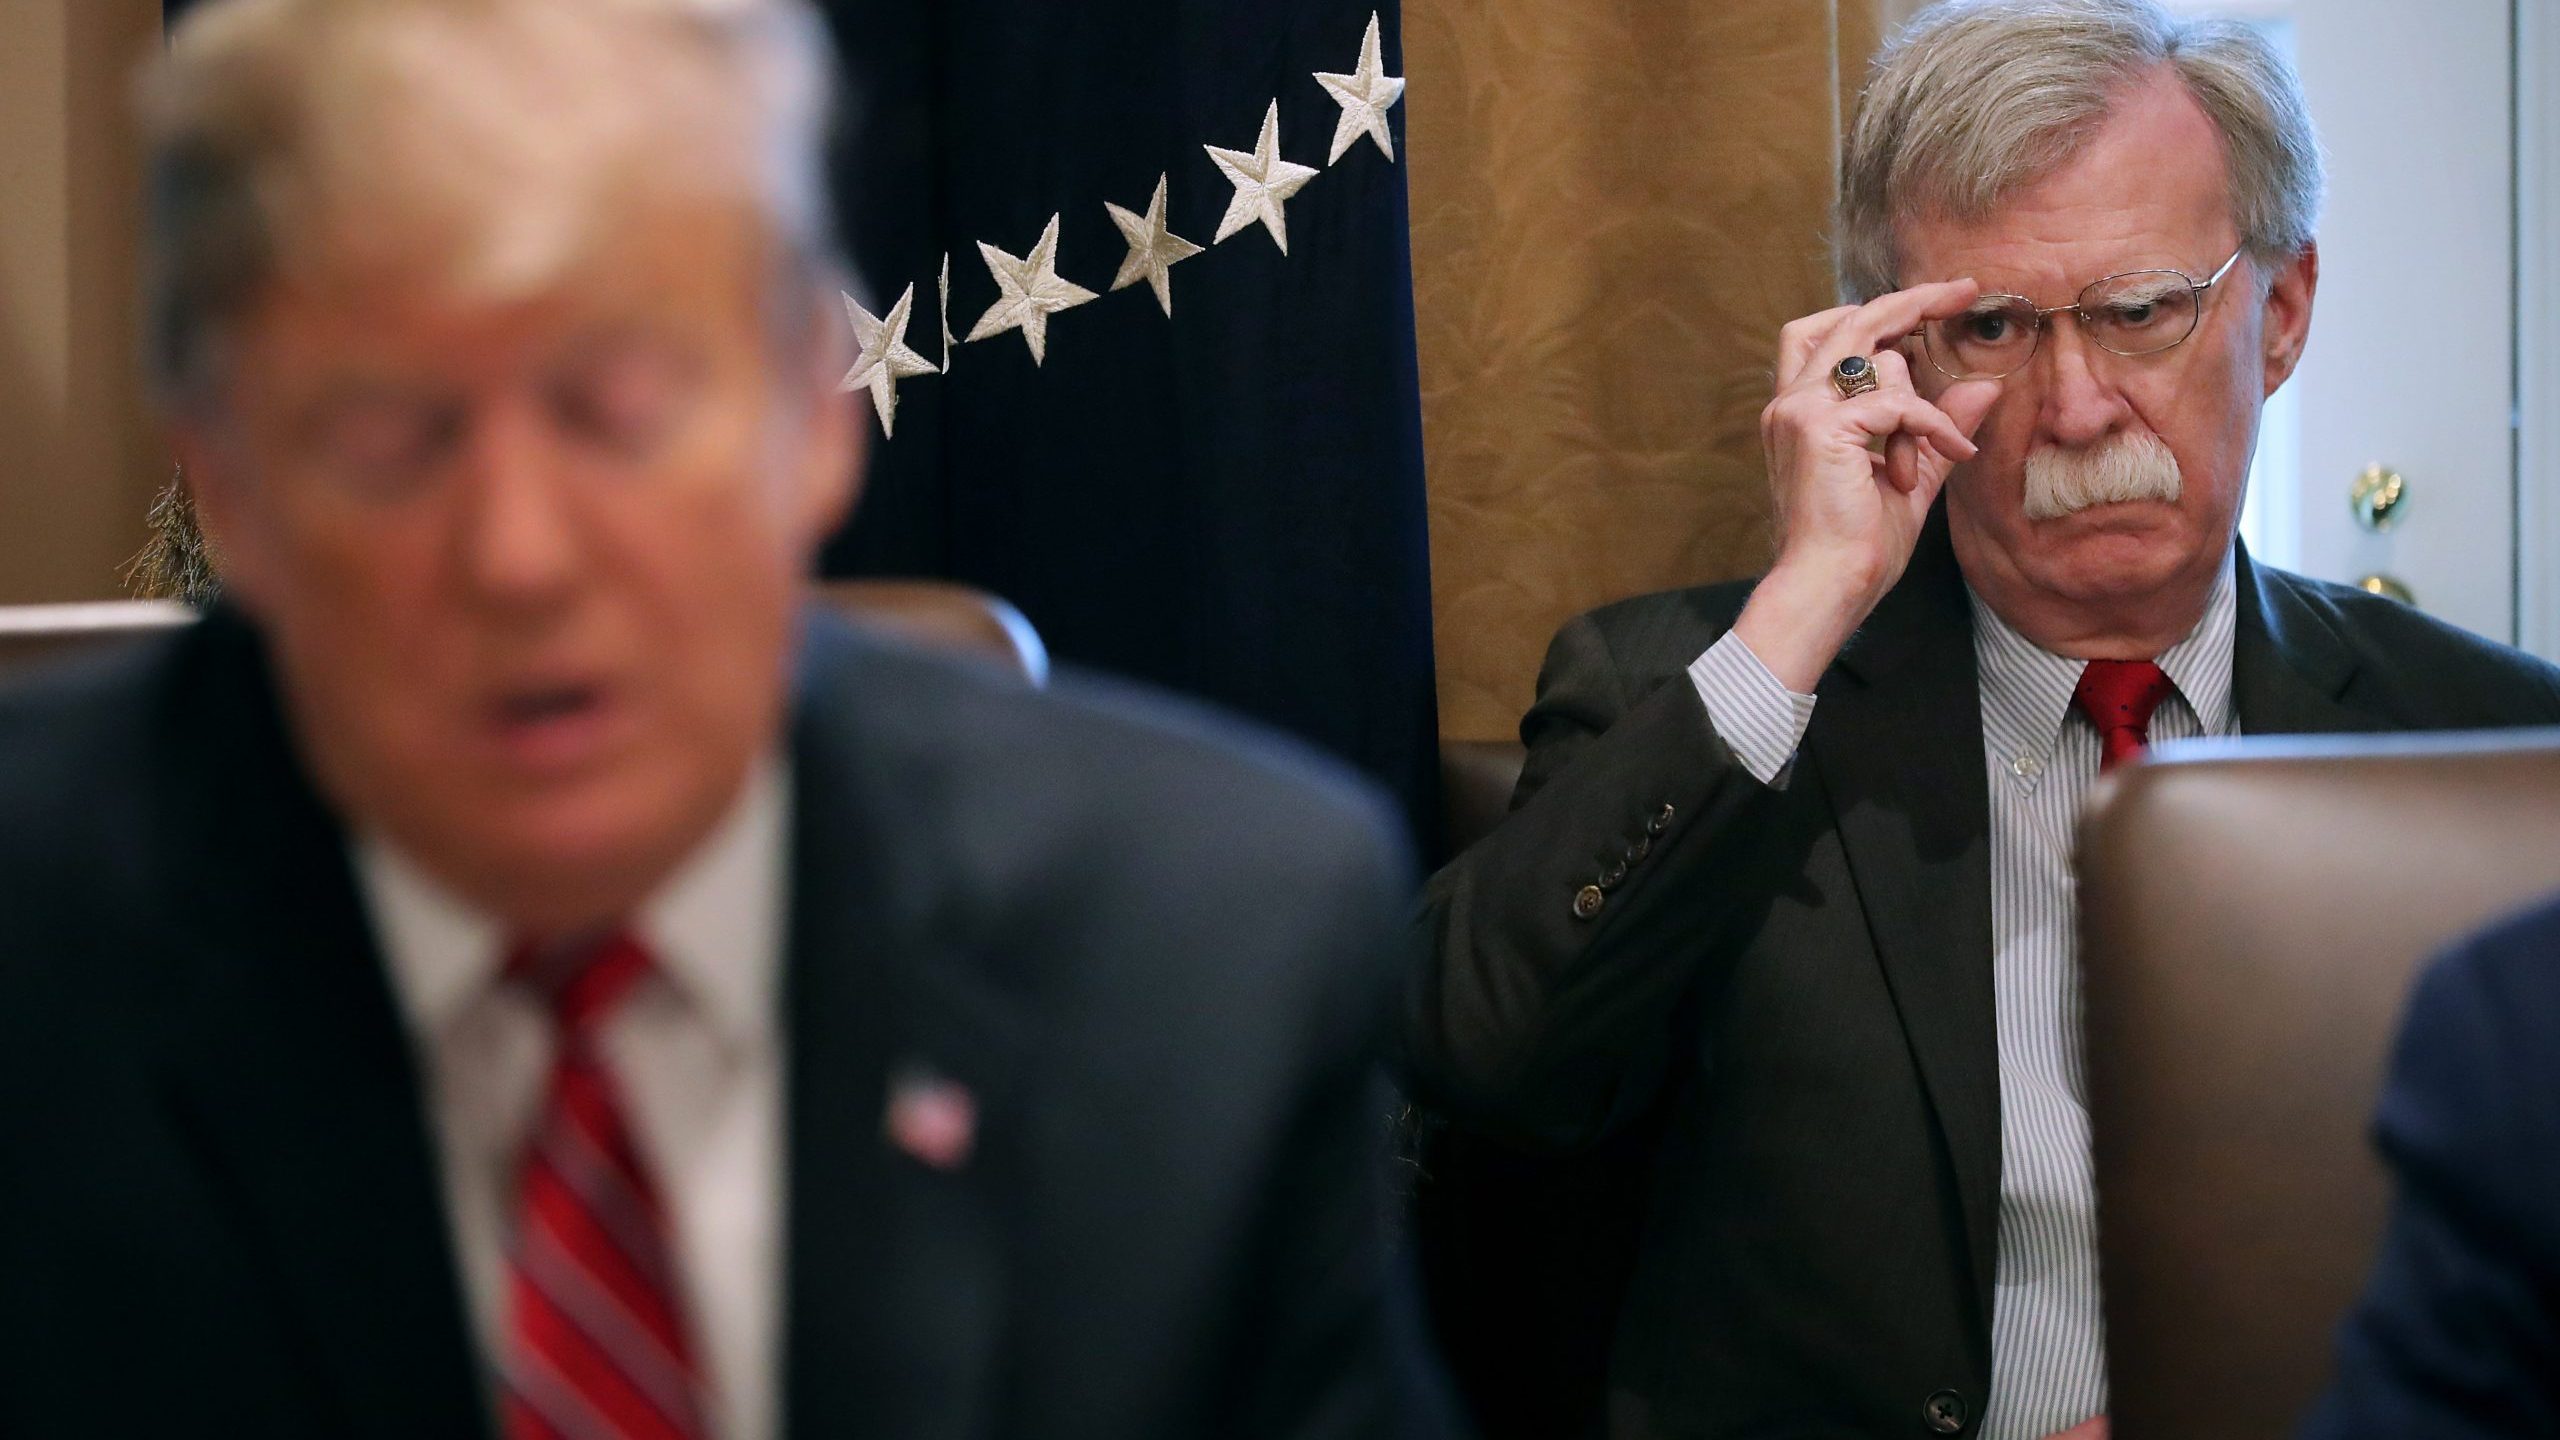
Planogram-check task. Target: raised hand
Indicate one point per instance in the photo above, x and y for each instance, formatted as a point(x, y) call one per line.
point(1852, 478)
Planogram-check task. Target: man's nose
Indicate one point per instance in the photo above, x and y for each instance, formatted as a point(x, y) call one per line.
point(519, 534)
point(2081, 403)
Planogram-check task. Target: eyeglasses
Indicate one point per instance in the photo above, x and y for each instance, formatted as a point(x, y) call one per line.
point(2140, 312)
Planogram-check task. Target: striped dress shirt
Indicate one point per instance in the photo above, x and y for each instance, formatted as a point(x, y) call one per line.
point(2040, 755)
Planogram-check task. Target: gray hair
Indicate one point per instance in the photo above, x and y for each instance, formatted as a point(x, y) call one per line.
point(1976, 100)
point(482, 145)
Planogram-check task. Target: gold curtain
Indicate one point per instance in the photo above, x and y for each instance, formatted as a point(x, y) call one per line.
point(79, 454)
point(1616, 203)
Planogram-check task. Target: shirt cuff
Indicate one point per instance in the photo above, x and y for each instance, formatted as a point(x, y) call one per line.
point(1753, 712)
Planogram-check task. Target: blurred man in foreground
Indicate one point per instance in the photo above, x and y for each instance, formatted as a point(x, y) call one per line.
point(1784, 909)
point(512, 969)
point(2458, 1335)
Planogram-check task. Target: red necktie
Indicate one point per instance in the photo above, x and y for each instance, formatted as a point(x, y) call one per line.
point(2118, 696)
point(596, 1342)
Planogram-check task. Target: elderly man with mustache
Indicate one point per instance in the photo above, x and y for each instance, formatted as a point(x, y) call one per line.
point(1780, 930)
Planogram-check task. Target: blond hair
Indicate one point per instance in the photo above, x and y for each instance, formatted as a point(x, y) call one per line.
point(483, 145)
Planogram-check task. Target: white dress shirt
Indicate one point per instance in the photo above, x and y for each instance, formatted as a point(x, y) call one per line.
point(2040, 755)
point(695, 1048)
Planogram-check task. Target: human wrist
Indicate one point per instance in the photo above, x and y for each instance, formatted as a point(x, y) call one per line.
point(1800, 615)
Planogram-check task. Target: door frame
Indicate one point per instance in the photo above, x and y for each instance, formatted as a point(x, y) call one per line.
point(2537, 368)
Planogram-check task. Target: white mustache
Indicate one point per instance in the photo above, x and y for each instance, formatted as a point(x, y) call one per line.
point(2136, 465)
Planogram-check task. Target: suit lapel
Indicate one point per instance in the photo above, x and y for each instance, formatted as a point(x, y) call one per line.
point(289, 1059)
point(1897, 746)
point(2289, 669)
point(897, 1287)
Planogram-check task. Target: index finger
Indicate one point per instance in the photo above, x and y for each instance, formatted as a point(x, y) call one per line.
point(1800, 338)
point(1887, 318)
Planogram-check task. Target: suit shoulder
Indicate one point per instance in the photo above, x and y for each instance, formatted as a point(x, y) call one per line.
point(1666, 627)
point(1089, 759)
point(2510, 968)
point(84, 825)
point(2483, 1025)
point(70, 730)
point(1144, 853)
point(55, 703)
point(2467, 1112)
point(2468, 679)
point(1188, 750)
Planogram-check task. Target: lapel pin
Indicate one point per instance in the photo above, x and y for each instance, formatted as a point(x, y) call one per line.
point(931, 1117)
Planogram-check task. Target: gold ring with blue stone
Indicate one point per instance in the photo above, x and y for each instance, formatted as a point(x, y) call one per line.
point(1854, 376)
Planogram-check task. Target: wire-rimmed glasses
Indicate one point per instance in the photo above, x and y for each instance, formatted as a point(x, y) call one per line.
point(2138, 312)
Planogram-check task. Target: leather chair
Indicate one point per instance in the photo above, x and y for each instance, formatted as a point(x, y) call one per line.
point(34, 633)
point(2253, 914)
point(941, 613)
point(1476, 781)
point(930, 612)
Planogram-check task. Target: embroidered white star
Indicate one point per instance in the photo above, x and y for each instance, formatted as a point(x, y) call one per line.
point(1153, 250)
point(882, 357)
point(1365, 95)
point(1263, 181)
point(1032, 290)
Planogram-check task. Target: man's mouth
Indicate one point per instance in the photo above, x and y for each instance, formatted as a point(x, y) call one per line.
point(537, 706)
point(552, 726)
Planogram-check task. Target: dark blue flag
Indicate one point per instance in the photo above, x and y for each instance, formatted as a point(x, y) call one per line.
point(1180, 425)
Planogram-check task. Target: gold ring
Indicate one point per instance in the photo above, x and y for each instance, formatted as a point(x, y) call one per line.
point(1854, 376)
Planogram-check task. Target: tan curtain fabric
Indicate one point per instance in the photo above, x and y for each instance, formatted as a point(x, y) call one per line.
point(79, 454)
point(1616, 203)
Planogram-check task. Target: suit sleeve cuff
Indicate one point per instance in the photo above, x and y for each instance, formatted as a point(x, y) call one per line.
point(1753, 712)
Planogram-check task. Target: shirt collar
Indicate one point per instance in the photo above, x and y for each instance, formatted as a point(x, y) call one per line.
point(2200, 665)
point(715, 929)
point(2026, 689)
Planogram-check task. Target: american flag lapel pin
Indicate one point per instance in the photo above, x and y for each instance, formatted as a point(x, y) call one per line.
point(931, 1117)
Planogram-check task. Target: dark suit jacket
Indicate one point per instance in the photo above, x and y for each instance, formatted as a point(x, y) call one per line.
point(2458, 1335)
point(1159, 960)
point(1778, 1027)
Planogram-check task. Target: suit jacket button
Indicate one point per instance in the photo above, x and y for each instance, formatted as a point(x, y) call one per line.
point(1660, 822)
point(1613, 877)
point(1587, 902)
point(1640, 849)
point(1944, 1412)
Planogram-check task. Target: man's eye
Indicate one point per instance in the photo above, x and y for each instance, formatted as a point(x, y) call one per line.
point(1990, 327)
point(2144, 307)
point(377, 439)
point(624, 402)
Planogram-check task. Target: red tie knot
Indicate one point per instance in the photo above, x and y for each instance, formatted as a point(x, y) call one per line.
point(2119, 697)
point(580, 980)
